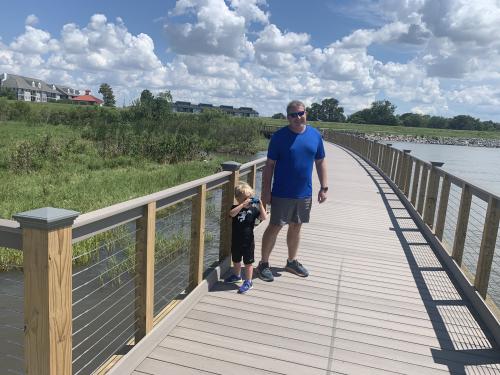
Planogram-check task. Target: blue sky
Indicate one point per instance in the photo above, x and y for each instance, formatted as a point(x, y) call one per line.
point(439, 57)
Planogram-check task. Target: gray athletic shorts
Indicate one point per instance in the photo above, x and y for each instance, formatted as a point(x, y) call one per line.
point(289, 210)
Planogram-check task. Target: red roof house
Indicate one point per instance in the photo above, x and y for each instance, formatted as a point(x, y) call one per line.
point(88, 99)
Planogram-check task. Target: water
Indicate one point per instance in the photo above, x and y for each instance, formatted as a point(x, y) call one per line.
point(477, 165)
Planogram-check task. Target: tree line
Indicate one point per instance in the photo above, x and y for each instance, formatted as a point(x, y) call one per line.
point(382, 112)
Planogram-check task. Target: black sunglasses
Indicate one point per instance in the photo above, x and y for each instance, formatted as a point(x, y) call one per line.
point(297, 114)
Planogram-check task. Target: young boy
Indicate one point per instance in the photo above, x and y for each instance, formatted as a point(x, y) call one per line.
point(244, 215)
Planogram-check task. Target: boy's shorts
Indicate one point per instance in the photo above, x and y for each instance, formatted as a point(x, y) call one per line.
point(246, 252)
point(290, 210)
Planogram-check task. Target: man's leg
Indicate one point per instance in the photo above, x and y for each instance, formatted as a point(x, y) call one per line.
point(268, 241)
point(292, 240)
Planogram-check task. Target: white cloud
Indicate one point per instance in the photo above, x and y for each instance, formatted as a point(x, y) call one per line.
point(218, 30)
point(230, 52)
point(34, 41)
point(31, 20)
point(250, 10)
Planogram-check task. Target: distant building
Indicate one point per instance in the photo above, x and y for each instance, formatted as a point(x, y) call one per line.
point(188, 107)
point(87, 99)
point(29, 89)
point(67, 92)
point(35, 90)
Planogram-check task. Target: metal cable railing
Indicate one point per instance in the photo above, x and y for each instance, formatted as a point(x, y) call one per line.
point(116, 252)
point(172, 251)
point(212, 225)
point(103, 296)
point(11, 322)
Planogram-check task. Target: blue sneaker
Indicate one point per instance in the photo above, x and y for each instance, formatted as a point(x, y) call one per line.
point(245, 287)
point(232, 279)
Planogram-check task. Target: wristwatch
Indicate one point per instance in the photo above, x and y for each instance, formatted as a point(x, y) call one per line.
point(324, 188)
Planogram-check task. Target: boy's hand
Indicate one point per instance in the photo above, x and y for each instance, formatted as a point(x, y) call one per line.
point(247, 202)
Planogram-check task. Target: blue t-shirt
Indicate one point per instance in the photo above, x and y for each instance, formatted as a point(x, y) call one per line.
point(294, 155)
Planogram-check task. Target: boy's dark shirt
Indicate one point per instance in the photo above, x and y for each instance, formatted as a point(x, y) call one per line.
point(243, 225)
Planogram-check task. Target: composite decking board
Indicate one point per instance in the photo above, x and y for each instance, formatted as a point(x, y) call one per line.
point(378, 300)
point(152, 366)
point(317, 333)
point(313, 343)
point(407, 352)
point(295, 356)
point(369, 318)
point(224, 366)
point(368, 305)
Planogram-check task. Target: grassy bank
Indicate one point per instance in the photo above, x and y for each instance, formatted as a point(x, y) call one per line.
point(54, 166)
point(395, 130)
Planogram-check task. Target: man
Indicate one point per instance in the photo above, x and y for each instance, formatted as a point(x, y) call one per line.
point(290, 157)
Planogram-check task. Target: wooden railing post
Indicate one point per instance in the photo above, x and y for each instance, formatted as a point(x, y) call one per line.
point(443, 207)
point(226, 203)
point(487, 249)
point(422, 189)
point(406, 172)
point(462, 223)
point(432, 193)
point(197, 236)
point(252, 176)
point(388, 159)
point(144, 270)
point(400, 168)
point(48, 253)
point(414, 185)
point(395, 155)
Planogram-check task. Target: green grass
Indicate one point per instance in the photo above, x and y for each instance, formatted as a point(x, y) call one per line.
point(73, 175)
point(395, 130)
point(82, 180)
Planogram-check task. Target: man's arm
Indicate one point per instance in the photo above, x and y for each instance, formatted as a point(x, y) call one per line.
point(267, 177)
point(323, 178)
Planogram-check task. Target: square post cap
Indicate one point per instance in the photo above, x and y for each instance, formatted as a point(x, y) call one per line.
point(437, 163)
point(231, 166)
point(406, 151)
point(46, 218)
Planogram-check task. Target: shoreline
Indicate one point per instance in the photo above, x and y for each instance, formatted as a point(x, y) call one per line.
point(470, 142)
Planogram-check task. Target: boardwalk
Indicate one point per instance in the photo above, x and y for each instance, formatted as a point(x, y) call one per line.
point(378, 301)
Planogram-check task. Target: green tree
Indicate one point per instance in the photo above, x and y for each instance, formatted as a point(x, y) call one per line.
point(313, 112)
point(7, 93)
point(437, 122)
point(414, 120)
point(163, 105)
point(279, 116)
point(464, 122)
point(107, 95)
point(330, 111)
point(380, 113)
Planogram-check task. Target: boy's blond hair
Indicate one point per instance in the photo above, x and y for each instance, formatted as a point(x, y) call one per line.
point(243, 189)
